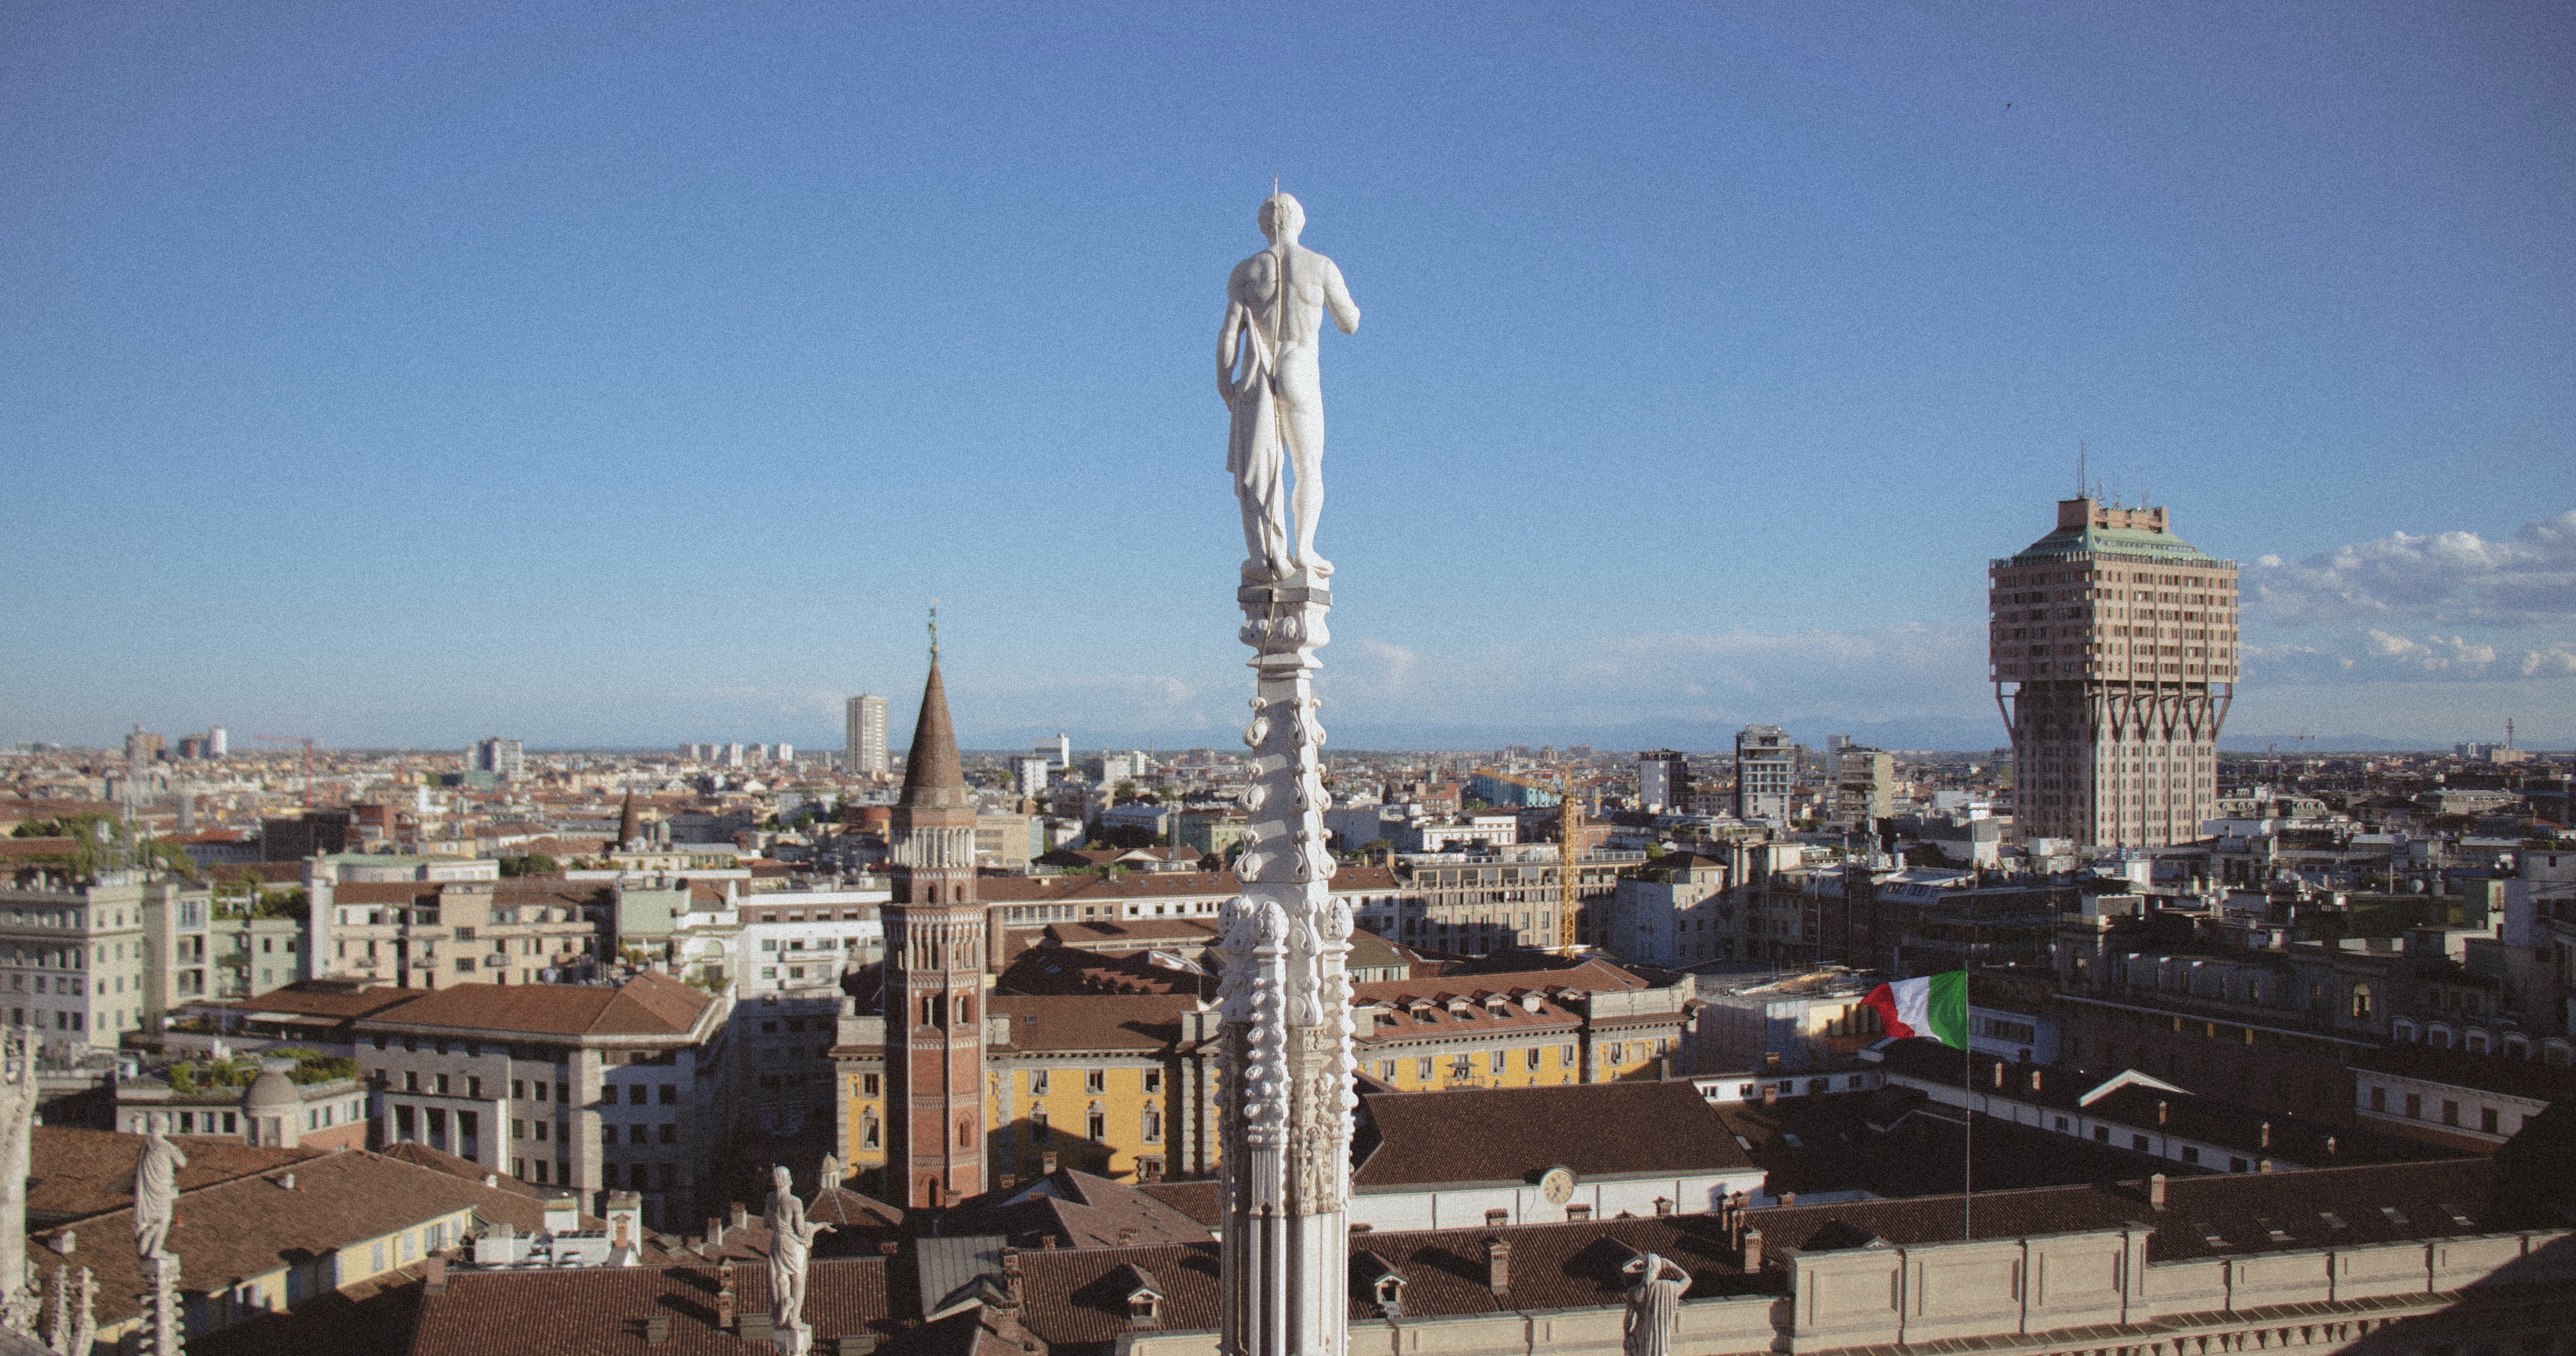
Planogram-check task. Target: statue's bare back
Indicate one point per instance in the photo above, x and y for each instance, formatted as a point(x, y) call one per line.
point(1268, 374)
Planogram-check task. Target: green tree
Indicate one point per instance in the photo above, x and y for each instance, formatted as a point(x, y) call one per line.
point(529, 864)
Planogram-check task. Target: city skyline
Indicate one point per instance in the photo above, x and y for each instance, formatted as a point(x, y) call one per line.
point(1720, 427)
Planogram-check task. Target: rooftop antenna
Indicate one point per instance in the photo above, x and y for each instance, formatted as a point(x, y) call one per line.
point(2080, 480)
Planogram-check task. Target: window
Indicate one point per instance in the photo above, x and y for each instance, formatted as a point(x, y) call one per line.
point(1153, 1124)
point(1039, 1130)
point(2487, 1119)
point(1095, 1123)
point(2450, 1112)
point(636, 1094)
point(2139, 1143)
point(1153, 1080)
point(869, 1085)
point(1037, 1083)
point(1462, 1066)
point(2415, 1106)
point(1529, 1057)
point(2190, 1154)
point(518, 1129)
point(1095, 1080)
point(1386, 1070)
point(1422, 1068)
point(1494, 1061)
point(670, 1094)
point(2379, 1099)
point(670, 1132)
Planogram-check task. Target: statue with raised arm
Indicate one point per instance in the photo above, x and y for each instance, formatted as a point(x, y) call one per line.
point(156, 1192)
point(1654, 1306)
point(791, 1250)
point(1267, 372)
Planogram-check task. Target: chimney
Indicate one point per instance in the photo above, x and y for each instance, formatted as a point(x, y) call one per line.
point(492, 1179)
point(1770, 1094)
point(2263, 1165)
point(2267, 1134)
point(1663, 1205)
point(1999, 1075)
point(657, 1330)
point(433, 1276)
point(1752, 1252)
point(741, 1217)
point(1046, 1162)
point(2330, 1146)
point(2034, 1080)
point(725, 1300)
point(715, 1231)
point(2156, 1191)
point(1788, 1198)
point(287, 1182)
point(65, 1241)
point(1498, 1267)
point(2164, 1113)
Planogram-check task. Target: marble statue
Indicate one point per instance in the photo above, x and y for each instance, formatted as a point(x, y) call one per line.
point(1654, 1305)
point(156, 1192)
point(1286, 1059)
point(18, 1301)
point(791, 1251)
point(1267, 372)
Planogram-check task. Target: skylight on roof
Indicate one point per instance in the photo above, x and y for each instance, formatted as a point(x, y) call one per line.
point(2395, 1215)
point(2456, 1217)
point(2275, 1231)
point(2211, 1236)
point(1791, 1139)
point(2333, 1220)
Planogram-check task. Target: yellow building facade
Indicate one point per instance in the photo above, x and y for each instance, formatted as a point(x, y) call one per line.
point(1124, 1085)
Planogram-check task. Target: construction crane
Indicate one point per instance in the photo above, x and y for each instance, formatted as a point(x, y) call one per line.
point(307, 742)
point(1569, 852)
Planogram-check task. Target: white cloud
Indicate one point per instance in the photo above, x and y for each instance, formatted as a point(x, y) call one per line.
point(2447, 577)
point(2433, 655)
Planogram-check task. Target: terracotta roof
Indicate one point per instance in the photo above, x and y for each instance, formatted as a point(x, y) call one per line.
point(2184, 1115)
point(1197, 932)
point(601, 1311)
point(313, 998)
point(36, 849)
point(251, 1226)
point(1069, 1209)
point(2240, 1211)
point(421, 1155)
point(2475, 1073)
point(1201, 1201)
point(650, 1004)
point(75, 1173)
point(1064, 970)
point(1592, 974)
point(1093, 1021)
point(368, 1318)
point(1153, 885)
point(1412, 1139)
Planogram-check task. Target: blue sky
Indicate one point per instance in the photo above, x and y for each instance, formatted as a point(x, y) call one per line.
point(632, 373)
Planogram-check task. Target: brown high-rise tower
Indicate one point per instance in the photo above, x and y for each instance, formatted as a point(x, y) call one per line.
point(935, 960)
point(2117, 641)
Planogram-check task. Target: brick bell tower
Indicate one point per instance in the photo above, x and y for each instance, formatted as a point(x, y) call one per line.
point(935, 960)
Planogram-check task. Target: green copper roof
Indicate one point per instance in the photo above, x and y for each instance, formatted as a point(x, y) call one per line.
point(2067, 543)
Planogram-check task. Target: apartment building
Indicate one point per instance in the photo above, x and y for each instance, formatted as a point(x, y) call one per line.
point(429, 934)
point(2112, 644)
point(1766, 774)
point(74, 962)
point(593, 1088)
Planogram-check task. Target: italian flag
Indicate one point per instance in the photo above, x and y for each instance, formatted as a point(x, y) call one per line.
point(1934, 1006)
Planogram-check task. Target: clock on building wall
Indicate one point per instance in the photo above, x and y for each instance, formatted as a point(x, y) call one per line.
point(1556, 1185)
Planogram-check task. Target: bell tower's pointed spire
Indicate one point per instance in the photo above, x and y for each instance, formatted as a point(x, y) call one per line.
point(932, 774)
